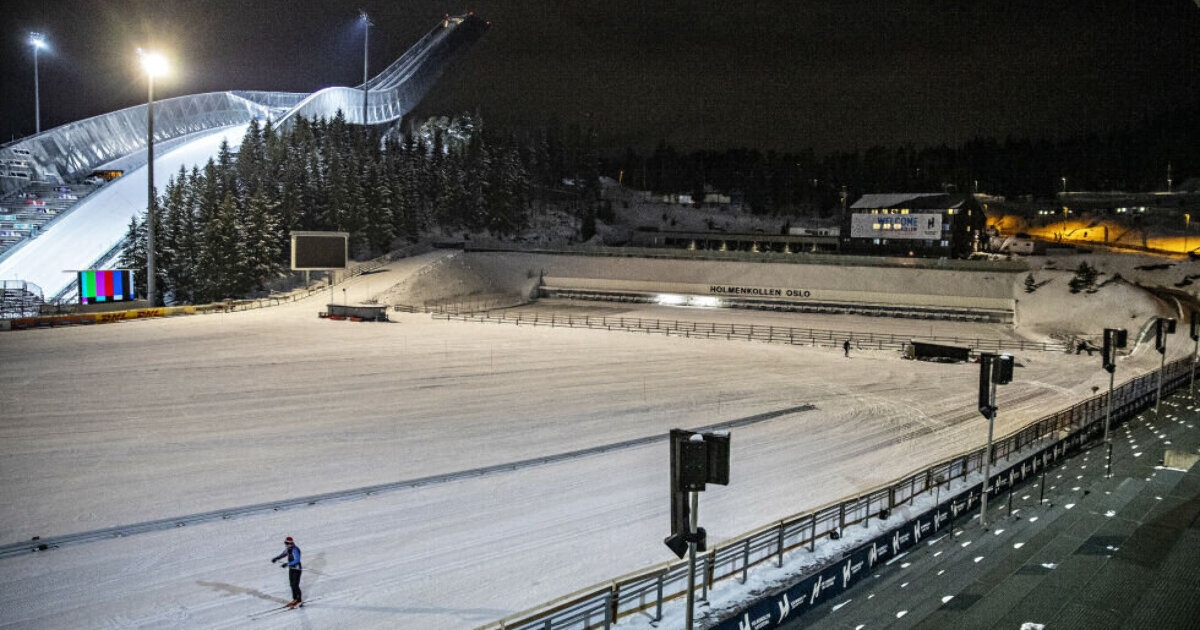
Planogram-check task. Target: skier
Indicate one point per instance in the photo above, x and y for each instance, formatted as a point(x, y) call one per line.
point(292, 553)
point(846, 348)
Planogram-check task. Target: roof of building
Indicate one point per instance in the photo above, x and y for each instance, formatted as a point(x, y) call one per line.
point(940, 201)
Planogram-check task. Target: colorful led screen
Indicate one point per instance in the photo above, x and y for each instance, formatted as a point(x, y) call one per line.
point(97, 285)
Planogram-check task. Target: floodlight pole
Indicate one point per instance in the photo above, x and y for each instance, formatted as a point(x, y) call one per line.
point(987, 454)
point(1162, 365)
point(1195, 351)
point(150, 267)
point(691, 592)
point(366, 38)
point(37, 97)
point(1107, 419)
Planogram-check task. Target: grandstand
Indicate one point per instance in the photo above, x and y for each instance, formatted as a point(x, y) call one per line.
point(28, 213)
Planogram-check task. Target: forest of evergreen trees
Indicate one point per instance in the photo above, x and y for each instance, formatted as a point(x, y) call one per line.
point(1133, 158)
point(223, 230)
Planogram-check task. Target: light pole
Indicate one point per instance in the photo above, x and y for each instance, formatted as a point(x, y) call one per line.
point(1194, 332)
point(38, 41)
point(1187, 220)
point(367, 24)
point(155, 65)
point(993, 370)
point(1114, 338)
point(1162, 327)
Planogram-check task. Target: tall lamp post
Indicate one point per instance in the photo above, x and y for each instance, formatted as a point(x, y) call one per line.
point(1162, 327)
point(38, 41)
point(993, 370)
point(1187, 220)
point(155, 65)
point(367, 24)
point(1114, 339)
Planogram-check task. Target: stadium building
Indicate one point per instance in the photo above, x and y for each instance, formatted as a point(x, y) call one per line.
point(931, 225)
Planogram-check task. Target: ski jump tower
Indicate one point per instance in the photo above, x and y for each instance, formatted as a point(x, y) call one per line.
point(83, 237)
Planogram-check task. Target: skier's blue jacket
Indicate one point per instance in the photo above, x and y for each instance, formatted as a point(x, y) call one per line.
point(293, 557)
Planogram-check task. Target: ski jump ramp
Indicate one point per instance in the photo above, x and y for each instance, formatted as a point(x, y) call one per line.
point(187, 131)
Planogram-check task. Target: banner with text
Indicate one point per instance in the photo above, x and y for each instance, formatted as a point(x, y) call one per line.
point(926, 227)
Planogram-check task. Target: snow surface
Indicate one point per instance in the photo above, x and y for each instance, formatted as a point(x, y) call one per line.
point(101, 219)
point(122, 423)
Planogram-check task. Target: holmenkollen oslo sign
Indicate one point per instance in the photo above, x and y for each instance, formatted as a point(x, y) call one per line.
point(717, 289)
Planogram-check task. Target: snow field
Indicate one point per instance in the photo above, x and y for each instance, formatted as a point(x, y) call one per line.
point(122, 423)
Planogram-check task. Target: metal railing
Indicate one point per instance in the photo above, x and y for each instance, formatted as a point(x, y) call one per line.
point(644, 592)
point(815, 337)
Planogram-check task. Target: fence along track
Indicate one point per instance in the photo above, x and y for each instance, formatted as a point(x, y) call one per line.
point(602, 605)
point(746, 332)
point(121, 531)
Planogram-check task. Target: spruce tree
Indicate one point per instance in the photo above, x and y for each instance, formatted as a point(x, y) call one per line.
point(261, 239)
point(133, 254)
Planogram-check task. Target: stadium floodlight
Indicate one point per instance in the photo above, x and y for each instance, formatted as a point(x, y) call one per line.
point(155, 65)
point(367, 24)
point(38, 41)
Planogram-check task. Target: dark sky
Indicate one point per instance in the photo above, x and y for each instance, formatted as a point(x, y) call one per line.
point(698, 74)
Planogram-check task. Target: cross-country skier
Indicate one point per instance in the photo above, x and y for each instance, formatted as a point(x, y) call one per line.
point(292, 553)
point(846, 348)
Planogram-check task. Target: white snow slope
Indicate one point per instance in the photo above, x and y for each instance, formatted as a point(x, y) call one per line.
point(101, 219)
point(123, 423)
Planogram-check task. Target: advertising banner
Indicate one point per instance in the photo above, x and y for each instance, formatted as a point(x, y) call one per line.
point(926, 227)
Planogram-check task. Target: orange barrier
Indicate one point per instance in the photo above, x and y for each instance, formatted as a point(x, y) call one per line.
point(76, 319)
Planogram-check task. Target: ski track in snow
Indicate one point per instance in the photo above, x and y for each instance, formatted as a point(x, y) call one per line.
point(142, 420)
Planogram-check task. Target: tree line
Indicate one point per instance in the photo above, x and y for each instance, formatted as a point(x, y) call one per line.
point(1134, 158)
point(222, 230)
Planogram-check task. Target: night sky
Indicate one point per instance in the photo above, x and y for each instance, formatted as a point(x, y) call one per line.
point(698, 74)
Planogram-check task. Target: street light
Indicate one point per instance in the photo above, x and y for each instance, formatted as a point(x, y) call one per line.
point(155, 65)
point(1114, 339)
point(367, 24)
point(1187, 219)
point(38, 41)
point(993, 370)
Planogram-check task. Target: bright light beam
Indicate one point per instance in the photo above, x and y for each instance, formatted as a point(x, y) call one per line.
point(154, 64)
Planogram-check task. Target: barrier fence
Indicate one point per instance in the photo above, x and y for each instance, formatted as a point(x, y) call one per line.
point(354, 269)
point(803, 258)
point(745, 332)
point(645, 592)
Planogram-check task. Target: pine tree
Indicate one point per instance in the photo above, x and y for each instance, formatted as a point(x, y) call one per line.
point(133, 254)
point(222, 257)
point(261, 239)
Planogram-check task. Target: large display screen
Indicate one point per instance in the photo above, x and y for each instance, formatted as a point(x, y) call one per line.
point(906, 226)
point(319, 250)
point(97, 285)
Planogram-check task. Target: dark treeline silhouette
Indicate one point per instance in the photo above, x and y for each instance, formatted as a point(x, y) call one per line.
point(1131, 159)
point(223, 230)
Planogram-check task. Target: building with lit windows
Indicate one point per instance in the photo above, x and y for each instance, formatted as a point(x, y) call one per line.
point(913, 224)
